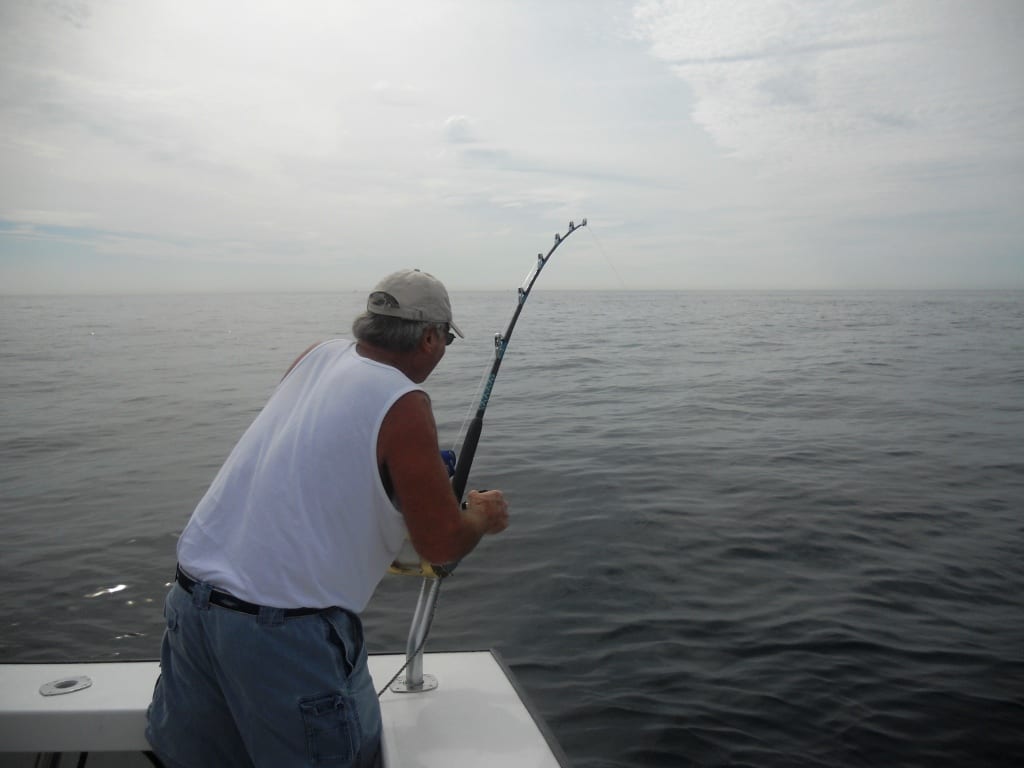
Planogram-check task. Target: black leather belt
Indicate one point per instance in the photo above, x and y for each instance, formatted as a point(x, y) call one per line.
point(232, 603)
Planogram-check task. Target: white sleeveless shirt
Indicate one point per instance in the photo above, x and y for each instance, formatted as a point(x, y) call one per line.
point(298, 516)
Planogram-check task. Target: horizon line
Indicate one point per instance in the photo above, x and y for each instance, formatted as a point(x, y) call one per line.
point(321, 291)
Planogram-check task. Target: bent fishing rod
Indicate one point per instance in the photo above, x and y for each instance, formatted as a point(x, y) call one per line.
point(501, 340)
point(434, 573)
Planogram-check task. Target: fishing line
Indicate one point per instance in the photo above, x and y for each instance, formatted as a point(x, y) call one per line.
point(469, 410)
point(622, 283)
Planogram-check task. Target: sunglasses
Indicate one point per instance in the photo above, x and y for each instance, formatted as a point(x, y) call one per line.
point(449, 337)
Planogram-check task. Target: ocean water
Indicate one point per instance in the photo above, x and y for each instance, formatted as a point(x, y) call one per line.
point(749, 529)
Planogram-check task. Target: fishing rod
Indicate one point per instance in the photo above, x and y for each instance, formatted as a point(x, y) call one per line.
point(415, 679)
point(501, 340)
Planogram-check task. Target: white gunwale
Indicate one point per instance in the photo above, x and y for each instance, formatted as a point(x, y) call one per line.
point(476, 716)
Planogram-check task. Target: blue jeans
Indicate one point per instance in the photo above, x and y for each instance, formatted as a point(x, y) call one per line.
point(243, 690)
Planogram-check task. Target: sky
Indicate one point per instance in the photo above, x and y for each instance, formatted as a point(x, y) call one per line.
point(310, 145)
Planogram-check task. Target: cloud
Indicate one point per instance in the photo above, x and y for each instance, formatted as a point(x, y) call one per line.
point(74, 12)
point(834, 83)
point(761, 140)
point(396, 94)
point(879, 134)
point(458, 129)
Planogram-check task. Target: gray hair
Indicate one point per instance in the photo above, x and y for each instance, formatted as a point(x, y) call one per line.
point(391, 333)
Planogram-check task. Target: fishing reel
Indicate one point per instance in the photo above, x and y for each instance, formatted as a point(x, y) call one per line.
point(448, 457)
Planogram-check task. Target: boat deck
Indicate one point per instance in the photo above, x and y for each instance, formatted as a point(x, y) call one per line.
point(476, 716)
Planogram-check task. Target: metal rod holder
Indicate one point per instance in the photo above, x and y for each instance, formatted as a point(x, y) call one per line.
point(415, 681)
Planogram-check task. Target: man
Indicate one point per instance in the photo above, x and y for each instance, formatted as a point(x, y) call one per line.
point(263, 661)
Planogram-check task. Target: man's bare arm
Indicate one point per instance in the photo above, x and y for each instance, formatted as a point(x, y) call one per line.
point(407, 447)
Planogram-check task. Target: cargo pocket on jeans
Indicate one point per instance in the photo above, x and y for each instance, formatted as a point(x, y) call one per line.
point(332, 729)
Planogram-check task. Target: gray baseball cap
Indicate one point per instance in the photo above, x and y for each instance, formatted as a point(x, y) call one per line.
point(412, 295)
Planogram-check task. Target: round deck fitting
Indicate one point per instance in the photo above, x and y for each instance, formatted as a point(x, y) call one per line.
point(65, 685)
point(429, 684)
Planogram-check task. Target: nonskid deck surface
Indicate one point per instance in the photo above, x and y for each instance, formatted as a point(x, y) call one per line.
point(475, 716)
